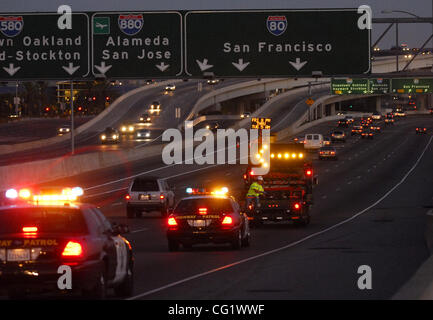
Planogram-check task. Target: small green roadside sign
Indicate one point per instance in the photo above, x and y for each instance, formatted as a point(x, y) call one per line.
point(101, 25)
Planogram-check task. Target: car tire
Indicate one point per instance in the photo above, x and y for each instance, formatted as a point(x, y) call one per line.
point(99, 290)
point(130, 213)
point(246, 240)
point(126, 288)
point(236, 243)
point(173, 245)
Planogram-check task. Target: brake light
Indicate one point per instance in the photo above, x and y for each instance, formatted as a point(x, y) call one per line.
point(72, 249)
point(227, 220)
point(30, 229)
point(297, 206)
point(202, 211)
point(251, 173)
point(309, 172)
point(127, 197)
point(172, 222)
point(161, 197)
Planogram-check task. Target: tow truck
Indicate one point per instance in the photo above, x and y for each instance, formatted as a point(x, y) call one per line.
point(288, 187)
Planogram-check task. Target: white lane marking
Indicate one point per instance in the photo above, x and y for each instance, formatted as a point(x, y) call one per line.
point(117, 204)
point(358, 177)
point(101, 193)
point(327, 170)
point(324, 197)
point(139, 230)
point(290, 245)
point(368, 170)
point(350, 182)
point(338, 189)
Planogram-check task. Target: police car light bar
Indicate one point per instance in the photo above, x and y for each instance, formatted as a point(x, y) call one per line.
point(67, 194)
point(221, 191)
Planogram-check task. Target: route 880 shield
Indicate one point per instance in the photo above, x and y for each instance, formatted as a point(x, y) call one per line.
point(11, 26)
point(130, 24)
point(276, 24)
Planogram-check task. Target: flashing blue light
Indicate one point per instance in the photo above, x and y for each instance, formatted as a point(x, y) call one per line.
point(188, 190)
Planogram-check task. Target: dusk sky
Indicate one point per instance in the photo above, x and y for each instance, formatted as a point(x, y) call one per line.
point(414, 35)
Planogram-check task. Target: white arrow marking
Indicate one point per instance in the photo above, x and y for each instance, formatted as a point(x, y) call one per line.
point(240, 65)
point(203, 65)
point(298, 64)
point(71, 69)
point(11, 70)
point(103, 68)
point(162, 66)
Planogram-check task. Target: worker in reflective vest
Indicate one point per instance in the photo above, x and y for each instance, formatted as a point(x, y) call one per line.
point(254, 192)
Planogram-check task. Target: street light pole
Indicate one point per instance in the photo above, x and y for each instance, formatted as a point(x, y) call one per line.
point(72, 118)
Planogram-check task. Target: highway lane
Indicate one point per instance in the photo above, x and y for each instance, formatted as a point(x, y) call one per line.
point(388, 235)
point(26, 130)
point(184, 96)
point(365, 172)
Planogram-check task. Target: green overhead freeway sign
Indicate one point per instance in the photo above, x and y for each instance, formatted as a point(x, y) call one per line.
point(411, 85)
point(32, 46)
point(360, 86)
point(137, 44)
point(270, 43)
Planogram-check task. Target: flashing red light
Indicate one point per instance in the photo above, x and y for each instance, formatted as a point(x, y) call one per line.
point(202, 211)
point(161, 197)
point(297, 206)
point(172, 222)
point(227, 220)
point(30, 229)
point(127, 197)
point(251, 173)
point(72, 249)
point(94, 98)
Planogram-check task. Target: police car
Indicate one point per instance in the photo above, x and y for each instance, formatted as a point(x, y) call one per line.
point(207, 217)
point(43, 230)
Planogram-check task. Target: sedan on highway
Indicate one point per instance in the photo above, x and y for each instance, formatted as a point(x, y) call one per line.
point(213, 81)
point(367, 134)
point(343, 123)
point(376, 129)
point(145, 119)
point(357, 130)
point(63, 130)
point(207, 218)
point(376, 116)
point(127, 128)
point(110, 135)
point(143, 134)
point(421, 130)
point(327, 153)
point(170, 87)
point(338, 136)
point(51, 230)
point(245, 115)
point(389, 120)
point(155, 108)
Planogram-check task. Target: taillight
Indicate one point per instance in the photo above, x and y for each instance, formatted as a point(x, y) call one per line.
point(309, 172)
point(127, 197)
point(172, 222)
point(30, 229)
point(202, 211)
point(72, 249)
point(297, 206)
point(227, 220)
point(161, 197)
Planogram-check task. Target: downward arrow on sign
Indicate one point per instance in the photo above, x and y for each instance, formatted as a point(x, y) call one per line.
point(203, 65)
point(11, 70)
point(103, 68)
point(162, 66)
point(71, 69)
point(240, 65)
point(298, 64)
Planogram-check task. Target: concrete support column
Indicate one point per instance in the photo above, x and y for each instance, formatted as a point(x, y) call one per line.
point(332, 109)
point(378, 104)
point(421, 102)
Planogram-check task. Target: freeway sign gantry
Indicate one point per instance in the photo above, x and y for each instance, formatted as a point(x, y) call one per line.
point(276, 43)
point(137, 44)
point(32, 46)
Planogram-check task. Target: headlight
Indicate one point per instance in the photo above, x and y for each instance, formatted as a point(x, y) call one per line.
point(138, 134)
point(123, 129)
point(114, 136)
point(148, 134)
point(131, 128)
point(103, 137)
point(141, 119)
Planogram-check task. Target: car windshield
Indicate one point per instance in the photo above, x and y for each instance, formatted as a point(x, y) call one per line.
point(145, 185)
point(213, 205)
point(47, 220)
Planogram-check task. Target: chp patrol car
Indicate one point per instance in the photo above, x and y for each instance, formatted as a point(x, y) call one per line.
point(43, 230)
